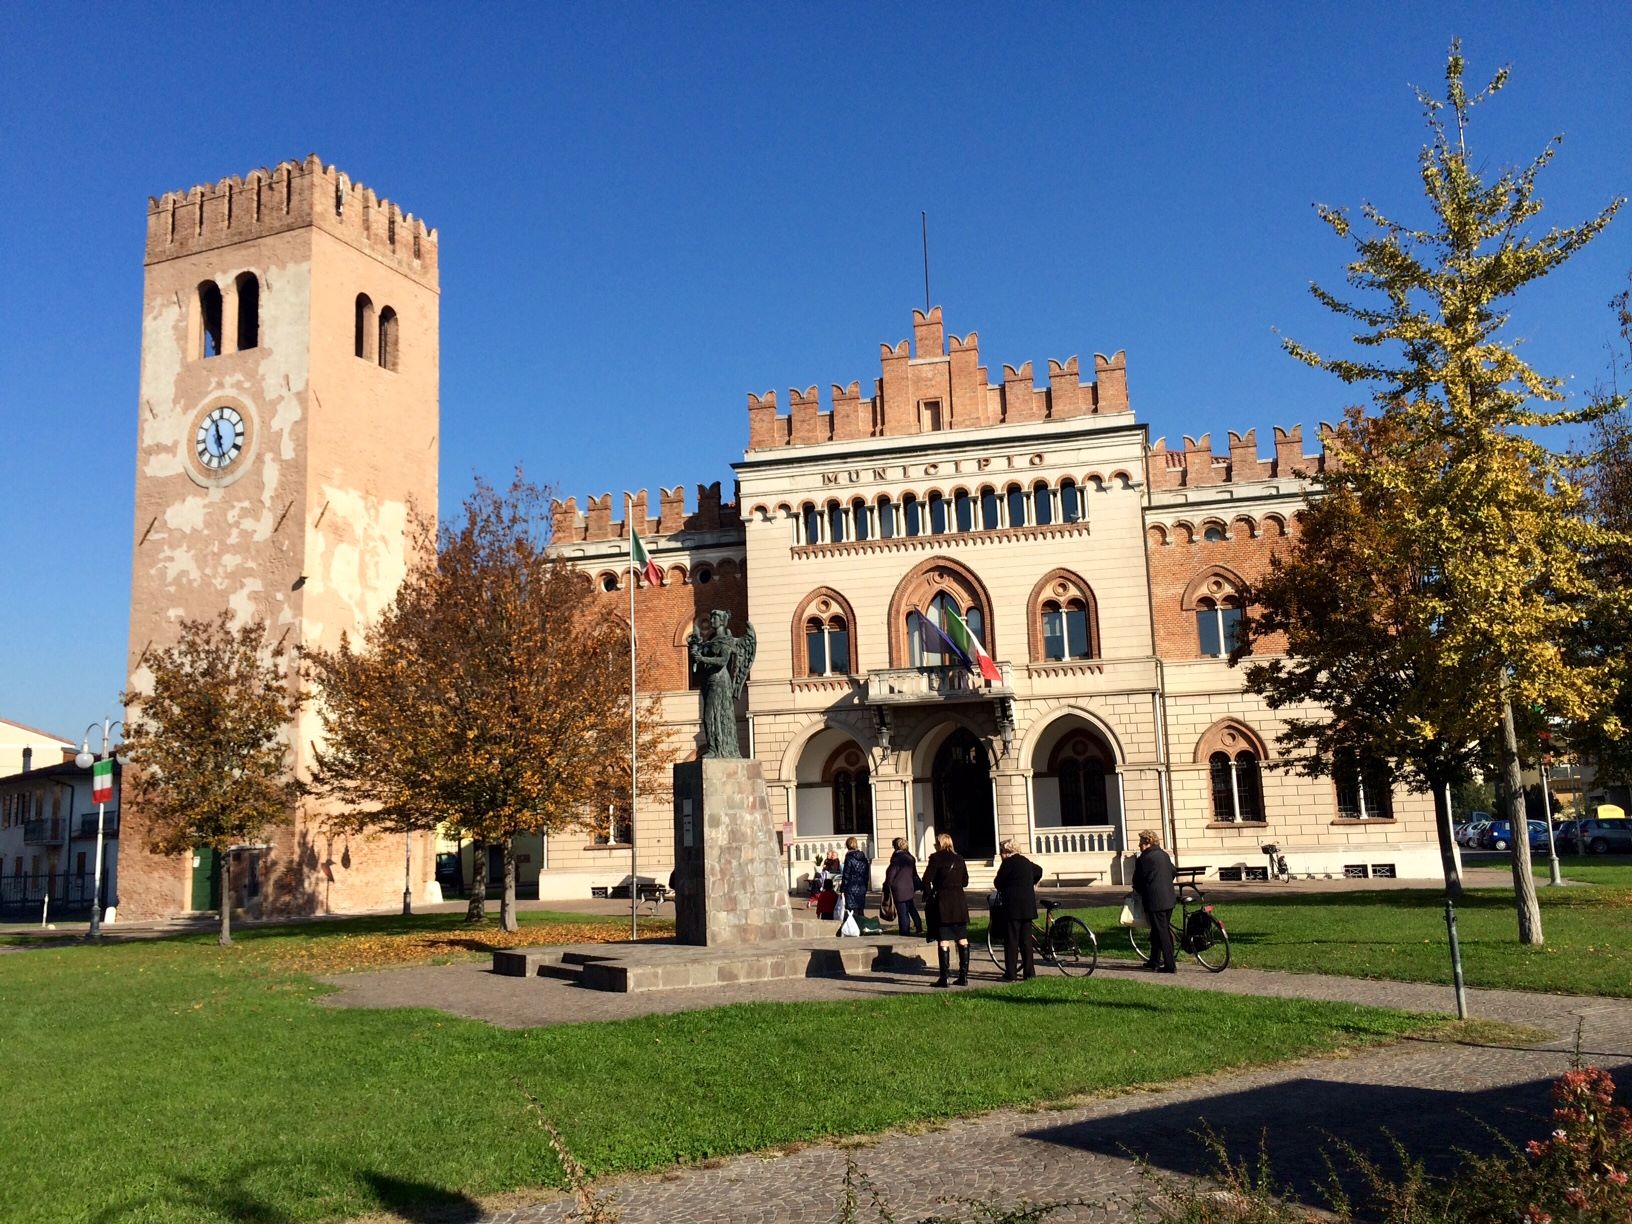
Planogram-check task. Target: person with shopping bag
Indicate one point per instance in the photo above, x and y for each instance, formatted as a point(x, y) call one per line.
point(1153, 877)
point(1016, 885)
point(945, 877)
point(854, 878)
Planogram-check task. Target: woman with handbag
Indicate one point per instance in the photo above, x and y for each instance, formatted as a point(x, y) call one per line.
point(900, 883)
point(945, 878)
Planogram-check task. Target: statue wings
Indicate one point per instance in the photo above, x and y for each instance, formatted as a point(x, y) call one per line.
point(747, 646)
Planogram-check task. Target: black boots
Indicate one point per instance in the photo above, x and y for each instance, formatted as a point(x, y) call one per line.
point(946, 965)
point(963, 965)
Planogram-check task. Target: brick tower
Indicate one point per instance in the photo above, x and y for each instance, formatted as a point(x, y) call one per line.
point(288, 422)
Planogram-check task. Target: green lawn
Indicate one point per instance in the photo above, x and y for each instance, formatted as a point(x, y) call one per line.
point(1401, 935)
point(167, 1081)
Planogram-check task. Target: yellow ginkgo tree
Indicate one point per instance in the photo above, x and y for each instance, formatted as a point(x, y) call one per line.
point(1451, 535)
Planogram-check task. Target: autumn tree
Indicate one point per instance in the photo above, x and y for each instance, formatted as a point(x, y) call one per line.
point(209, 758)
point(492, 696)
point(1449, 484)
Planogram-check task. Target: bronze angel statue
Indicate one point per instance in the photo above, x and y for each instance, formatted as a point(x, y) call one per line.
point(722, 661)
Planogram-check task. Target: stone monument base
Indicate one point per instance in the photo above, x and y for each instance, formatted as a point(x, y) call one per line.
point(731, 886)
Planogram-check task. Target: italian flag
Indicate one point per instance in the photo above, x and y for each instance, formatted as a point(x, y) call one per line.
point(102, 781)
point(967, 642)
point(640, 561)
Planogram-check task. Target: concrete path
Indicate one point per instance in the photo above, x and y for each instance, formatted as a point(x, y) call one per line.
point(1432, 1096)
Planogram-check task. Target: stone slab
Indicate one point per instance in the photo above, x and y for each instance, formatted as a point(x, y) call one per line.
point(730, 879)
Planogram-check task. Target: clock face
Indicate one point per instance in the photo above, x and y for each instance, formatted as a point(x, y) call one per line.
point(220, 438)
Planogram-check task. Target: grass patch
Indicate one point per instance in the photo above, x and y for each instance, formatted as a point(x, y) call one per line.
point(170, 1080)
point(1612, 871)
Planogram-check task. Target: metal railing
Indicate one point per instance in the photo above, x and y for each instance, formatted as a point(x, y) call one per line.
point(1079, 839)
point(110, 824)
point(22, 898)
point(46, 831)
point(906, 684)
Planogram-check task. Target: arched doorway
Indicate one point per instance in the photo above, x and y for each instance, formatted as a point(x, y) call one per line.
point(1074, 779)
point(961, 782)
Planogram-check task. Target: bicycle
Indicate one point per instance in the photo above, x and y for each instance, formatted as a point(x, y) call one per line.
point(1278, 870)
point(1199, 932)
point(1064, 942)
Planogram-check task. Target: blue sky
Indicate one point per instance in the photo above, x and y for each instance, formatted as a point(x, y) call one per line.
point(647, 211)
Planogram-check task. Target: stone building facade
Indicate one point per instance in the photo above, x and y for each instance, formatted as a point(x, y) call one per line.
point(1105, 575)
point(287, 427)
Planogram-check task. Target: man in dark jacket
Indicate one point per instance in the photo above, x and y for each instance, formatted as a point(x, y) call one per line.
point(1153, 881)
point(1016, 884)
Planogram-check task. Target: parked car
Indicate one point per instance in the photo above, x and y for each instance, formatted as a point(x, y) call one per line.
point(1605, 836)
point(1566, 837)
point(1468, 835)
point(1500, 835)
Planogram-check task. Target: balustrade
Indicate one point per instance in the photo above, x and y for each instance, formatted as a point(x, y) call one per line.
point(1078, 839)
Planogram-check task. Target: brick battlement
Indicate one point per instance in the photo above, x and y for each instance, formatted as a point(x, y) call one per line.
point(290, 196)
point(595, 521)
point(1196, 465)
point(938, 385)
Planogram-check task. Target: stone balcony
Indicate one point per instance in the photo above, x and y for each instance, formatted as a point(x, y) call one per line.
point(918, 685)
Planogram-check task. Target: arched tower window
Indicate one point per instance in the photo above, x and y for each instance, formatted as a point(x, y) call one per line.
point(963, 510)
point(912, 516)
point(249, 310)
point(863, 519)
point(388, 338)
point(835, 522)
point(1043, 504)
point(810, 523)
point(365, 329)
point(209, 319)
point(989, 520)
point(1016, 498)
point(1064, 619)
point(886, 519)
point(1070, 502)
point(937, 514)
point(824, 641)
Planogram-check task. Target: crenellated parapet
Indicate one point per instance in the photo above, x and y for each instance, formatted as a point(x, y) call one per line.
point(596, 522)
point(937, 382)
point(290, 196)
point(1196, 465)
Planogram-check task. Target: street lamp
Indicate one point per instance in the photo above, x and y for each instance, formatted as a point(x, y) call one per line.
point(86, 760)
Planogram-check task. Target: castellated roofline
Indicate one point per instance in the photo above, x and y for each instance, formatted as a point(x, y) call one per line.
point(595, 522)
point(290, 196)
point(1195, 464)
point(936, 382)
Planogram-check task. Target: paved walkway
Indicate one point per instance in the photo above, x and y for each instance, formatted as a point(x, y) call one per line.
point(1432, 1096)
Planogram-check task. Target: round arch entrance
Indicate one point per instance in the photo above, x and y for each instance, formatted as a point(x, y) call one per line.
point(1074, 779)
point(961, 792)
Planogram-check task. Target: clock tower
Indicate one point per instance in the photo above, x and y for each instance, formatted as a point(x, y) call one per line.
point(287, 428)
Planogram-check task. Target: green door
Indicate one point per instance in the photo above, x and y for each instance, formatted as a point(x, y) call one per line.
point(206, 879)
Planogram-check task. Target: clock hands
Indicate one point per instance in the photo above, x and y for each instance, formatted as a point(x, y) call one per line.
point(220, 446)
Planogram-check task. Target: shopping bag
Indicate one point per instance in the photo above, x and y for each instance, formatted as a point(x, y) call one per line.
point(869, 926)
point(1133, 911)
point(840, 909)
point(849, 927)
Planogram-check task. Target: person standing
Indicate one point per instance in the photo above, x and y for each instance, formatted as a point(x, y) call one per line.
point(1153, 881)
point(854, 879)
point(1016, 884)
point(901, 882)
point(945, 878)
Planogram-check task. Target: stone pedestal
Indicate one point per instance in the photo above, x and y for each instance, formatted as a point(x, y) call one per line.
point(731, 886)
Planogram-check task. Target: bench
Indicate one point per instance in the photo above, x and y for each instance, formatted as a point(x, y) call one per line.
point(1082, 879)
point(654, 895)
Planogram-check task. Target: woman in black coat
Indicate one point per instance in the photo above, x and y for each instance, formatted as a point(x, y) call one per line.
point(945, 878)
point(1153, 881)
point(1016, 884)
point(900, 883)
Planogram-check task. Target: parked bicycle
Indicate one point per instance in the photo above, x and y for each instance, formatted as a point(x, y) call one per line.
point(1196, 930)
point(1278, 870)
point(1064, 942)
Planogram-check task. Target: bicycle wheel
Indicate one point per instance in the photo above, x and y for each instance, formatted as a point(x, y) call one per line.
point(1215, 956)
point(1139, 940)
point(994, 945)
point(1072, 946)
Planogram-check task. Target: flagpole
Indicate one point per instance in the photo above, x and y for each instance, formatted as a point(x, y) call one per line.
point(634, 878)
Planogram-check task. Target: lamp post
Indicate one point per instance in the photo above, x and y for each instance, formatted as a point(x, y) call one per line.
point(86, 759)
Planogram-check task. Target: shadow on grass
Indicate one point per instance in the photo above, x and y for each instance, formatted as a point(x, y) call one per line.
point(190, 1198)
point(422, 1203)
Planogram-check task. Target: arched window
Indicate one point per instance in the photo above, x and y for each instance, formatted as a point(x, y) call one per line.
point(249, 310)
point(913, 516)
point(1213, 533)
point(863, 518)
point(937, 514)
point(1070, 502)
point(810, 523)
point(1065, 630)
point(936, 588)
point(1218, 625)
point(609, 582)
point(1364, 787)
point(926, 647)
point(209, 319)
point(835, 523)
point(827, 646)
point(886, 519)
point(852, 801)
point(1237, 788)
point(963, 510)
point(388, 338)
point(1016, 497)
point(988, 510)
point(1079, 765)
point(1043, 503)
point(1064, 619)
point(366, 330)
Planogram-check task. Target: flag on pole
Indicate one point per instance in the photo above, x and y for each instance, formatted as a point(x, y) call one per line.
point(102, 781)
point(969, 645)
point(640, 561)
point(932, 635)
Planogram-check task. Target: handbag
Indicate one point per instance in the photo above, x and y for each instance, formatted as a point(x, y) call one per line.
point(1133, 911)
point(840, 909)
point(886, 909)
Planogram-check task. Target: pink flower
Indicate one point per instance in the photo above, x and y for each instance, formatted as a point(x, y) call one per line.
point(1616, 1177)
point(1576, 1197)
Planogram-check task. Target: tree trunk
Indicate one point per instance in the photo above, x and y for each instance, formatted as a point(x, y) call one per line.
point(476, 908)
point(1447, 841)
point(507, 907)
point(226, 899)
point(1524, 881)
